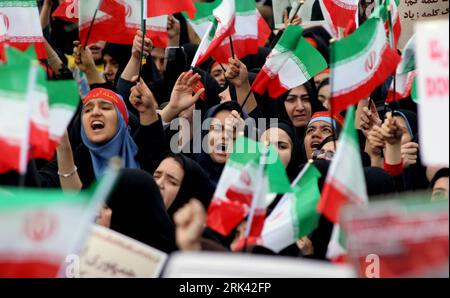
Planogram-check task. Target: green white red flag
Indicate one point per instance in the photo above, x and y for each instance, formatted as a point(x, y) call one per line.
point(240, 182)
point(108, 23)
point(360, 63)
point(23, 26)
point(221, 27)
point(345, 183)
point(67, 11)
point(251, 30)
point(291, 63)
point(16, 96)
point(156, 27)
point(406, 73)
point(3, 37)
point(338, 13)
point(40, 228)
point(296, 214)
point(158, 8)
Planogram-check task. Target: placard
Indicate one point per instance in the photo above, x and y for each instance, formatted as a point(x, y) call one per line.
point(405, 237)
point(108, 254)
point(432, 55)
point(412, 11)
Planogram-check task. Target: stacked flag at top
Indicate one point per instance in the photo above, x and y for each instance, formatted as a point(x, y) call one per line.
point(405, 75)
point(117, 21)
point(20, 26)
point(34, 112)
point(251, 30)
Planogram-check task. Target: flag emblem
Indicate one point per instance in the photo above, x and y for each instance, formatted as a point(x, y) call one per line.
point(40, 226)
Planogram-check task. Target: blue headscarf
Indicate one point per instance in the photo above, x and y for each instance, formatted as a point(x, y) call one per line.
point(121, 145)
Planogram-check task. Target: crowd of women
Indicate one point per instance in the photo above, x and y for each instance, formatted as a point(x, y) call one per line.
point(146, 114)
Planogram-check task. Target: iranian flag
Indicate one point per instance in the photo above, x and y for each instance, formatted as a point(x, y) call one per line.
point(360, 63)
point(41, 227)
point(67, 11)
point(156, 26)
point(38, 103)
point(108, 23)
point(221, 27)
point(345, 183)
point(251, 30)
point(406, 73)
point(339, 13)
point(166, 7)
point(53, 105)
point(62, 104)
point(382, 13)
point(240, 183)
point(291, 63)
point(16, 97)
point(23, 25)
point(295, 216)
point(3, 37)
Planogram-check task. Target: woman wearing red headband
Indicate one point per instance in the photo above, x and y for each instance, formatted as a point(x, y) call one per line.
point(105, 134)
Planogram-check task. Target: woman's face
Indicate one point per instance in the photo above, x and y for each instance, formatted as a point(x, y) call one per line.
point(169, 177)
point(220, 141)
point(315, 134)
point(298, 107)
point(324, 96)
point(100, 121)
point(111, 68)
point(218, 74)
point(281, 141)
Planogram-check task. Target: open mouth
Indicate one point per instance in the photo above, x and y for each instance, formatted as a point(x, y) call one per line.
point(221, 149)
point(97, 125)
point(315, 145)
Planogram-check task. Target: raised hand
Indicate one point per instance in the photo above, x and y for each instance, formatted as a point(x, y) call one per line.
point(137, 45)
point(190, 222)
point(237, 73)
point(142, 98)
point(391, 131)
point(83, 57)
point(409, 154)
point(183, 95)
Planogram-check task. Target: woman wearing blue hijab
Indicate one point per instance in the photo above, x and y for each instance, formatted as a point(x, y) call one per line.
point(105, 134)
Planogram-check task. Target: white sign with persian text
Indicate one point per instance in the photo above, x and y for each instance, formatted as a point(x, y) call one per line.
point(108, 254)
point(412, 11)
point(432, 48)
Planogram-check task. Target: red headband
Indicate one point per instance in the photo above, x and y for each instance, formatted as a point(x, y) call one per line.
point(110, 96)
point(337, 118)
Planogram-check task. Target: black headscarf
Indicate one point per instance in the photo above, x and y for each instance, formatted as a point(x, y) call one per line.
point(409, 117)
point(316, 105)
point(195, 184)
point(214, 170)
point(294, 164)
point(121, 54)
point(138, 211)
